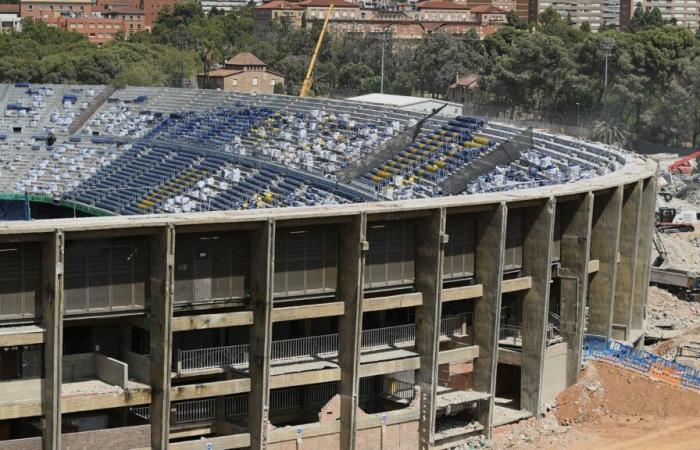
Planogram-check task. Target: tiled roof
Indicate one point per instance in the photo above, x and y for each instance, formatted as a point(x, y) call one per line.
point(327, 3)
point(245, 59)
point(438, 4)
point(279, 4)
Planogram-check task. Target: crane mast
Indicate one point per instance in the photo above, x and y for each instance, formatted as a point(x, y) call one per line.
point(309, 79)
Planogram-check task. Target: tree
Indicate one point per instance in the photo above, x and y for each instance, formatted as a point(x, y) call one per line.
point(514, 20)
point(585, 26)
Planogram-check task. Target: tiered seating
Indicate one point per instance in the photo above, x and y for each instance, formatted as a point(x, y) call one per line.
point(436, 153)
point(170, 150)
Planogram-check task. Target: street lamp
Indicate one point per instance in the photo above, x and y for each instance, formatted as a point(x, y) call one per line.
point(608, 44)
point(578, 118)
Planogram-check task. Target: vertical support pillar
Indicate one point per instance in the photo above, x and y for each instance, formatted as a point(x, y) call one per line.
point(573, 275)
point(605, 245)
point(490, 249)
point(260, 346)
point(162, 279)
point(643, 265)
point(537, 263)
point(353, 244)
point(52, 316)
point(626, 273)
point(430, 241)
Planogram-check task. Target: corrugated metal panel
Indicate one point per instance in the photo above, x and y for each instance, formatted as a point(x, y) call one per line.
point(514, 240)
point(306, 261)
point(106, 275)
point(210, 268)
point(460, 249)
point(391, 256)
point(20, 280)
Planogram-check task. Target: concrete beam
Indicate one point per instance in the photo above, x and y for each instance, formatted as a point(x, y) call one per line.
point(462, 293)
point(490, 248)
point(605, 240)
point(240, 440)
point(52, 316)
point(308, 311)
point(626, 270)
point(353, 242)
point(430, 241)
point(538, 235)
point(21, 335)
point(593, 266)
point(262, 250)
point(218, 320)
point(516, 284)
point(161, 312)
point(210, 389)
point(644, 243)
point(392, 302)
point(577, 217)
point(458, 354)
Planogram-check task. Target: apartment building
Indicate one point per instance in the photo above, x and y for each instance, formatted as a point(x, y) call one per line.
point(405, 21)
point(595, 12)
point(347, 327)
point(10, 19)
point(685, 13)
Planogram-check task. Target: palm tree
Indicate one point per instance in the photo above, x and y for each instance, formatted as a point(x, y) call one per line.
point(611, 133)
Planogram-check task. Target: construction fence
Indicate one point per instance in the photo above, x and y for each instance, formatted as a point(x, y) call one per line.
point(645, 363)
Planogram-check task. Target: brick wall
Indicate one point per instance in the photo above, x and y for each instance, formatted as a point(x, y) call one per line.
point(124, 438)
point(403, 436)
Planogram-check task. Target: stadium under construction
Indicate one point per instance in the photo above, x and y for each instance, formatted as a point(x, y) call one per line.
point(264, 271)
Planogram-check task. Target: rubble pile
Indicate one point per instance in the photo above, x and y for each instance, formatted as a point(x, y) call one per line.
point(668, 316)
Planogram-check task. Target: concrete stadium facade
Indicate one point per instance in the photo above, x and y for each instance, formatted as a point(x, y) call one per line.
point(438, 285)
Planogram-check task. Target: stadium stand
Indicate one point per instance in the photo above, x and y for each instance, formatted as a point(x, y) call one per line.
point(140, 150)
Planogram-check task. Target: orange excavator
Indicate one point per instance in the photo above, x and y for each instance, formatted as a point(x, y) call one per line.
point(685, 165)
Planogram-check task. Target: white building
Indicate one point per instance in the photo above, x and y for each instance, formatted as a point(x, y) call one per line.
point(9, 18)
point(685, 12)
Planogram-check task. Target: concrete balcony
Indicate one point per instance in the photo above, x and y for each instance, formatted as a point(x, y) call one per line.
point(319, 352)
point(90, 381)
point(510, 335)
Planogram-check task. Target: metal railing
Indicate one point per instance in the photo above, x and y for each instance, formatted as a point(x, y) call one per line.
point(217, 408)
point(313, 345)
point(195, 410)
point(515, 333)
point(211, 358)
point(236, 356)
point(398, 389)
point(388, 336)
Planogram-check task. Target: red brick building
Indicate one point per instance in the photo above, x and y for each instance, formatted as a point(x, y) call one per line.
point(151, 8)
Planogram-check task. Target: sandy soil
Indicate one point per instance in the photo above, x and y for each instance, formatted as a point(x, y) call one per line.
point(611, 408)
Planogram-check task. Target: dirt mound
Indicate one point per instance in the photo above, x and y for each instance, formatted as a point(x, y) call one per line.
point(668, 316)
point(606, 390)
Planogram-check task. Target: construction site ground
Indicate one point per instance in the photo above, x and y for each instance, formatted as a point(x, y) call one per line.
point(614, 408)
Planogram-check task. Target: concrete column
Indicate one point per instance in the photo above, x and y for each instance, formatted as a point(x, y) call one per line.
point(52, 316)
point(538, 236)
point(488, 270)
point(262, 250)
point(162, 288)
point(353, 243)
point(645, 244)
point(577, 217)
point(430, 241)
point(605, 244)
point(626, 272)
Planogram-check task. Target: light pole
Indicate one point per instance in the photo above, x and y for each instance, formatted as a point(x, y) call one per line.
point(381, 85)
point(578, 118)
point(608, 44)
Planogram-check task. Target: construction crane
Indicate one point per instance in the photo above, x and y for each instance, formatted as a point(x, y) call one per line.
point(309, 79)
